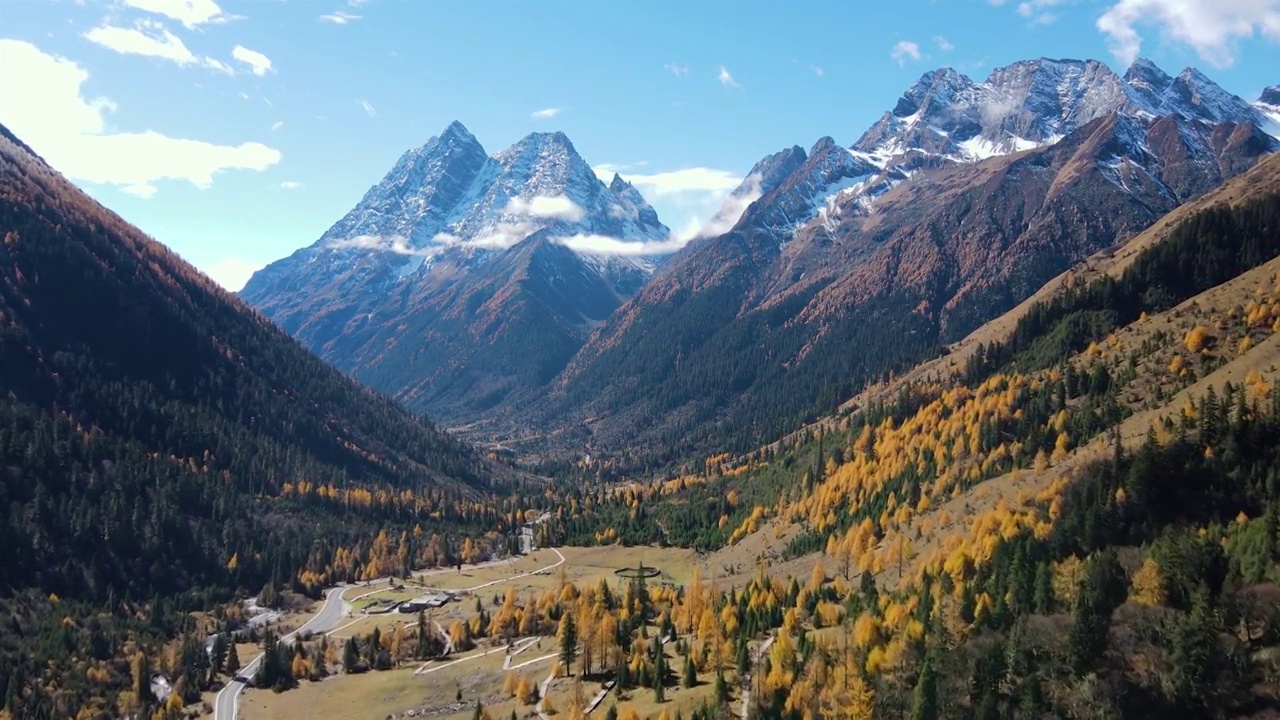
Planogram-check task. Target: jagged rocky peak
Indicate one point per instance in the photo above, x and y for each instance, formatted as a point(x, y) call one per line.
point(771, 170)
point(934, 90)
point(1270, 96)
point(829, 163)
point(1147, 81)
point(1194, 96)
point(632, 205)
point(1042, 100)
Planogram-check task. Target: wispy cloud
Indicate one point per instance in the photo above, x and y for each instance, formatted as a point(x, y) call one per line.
point(368, 108)
point(1211, 27)
point(694, 179)
point(150, 38)
point(726, 78)
point(604, 245)
point(143, 191)
point(290, 185)
point(339, 17)
point(817, 71)
point(260, 64)
point(191, 13)
point(397, 244)
point(677, 70)
point(556, 207)
point(43, 104)
point(904, 51)
point(546, 113)
point(1039, 12)
point(745, 192)
point(943, 44)
point(277, 125)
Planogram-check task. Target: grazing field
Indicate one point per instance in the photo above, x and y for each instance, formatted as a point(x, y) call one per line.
point(428, 689)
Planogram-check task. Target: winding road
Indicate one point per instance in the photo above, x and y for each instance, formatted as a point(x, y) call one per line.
point(228, 699)
point(334, 610)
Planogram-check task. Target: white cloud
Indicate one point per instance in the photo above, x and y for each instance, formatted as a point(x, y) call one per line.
point(1210, 27)
point(726, 79)
point(368, 108)
point(259, 63)
point(677, 70)
point(943, 44)
point(546, 113)
point(729, 213)
point(503, 235)
point(150, 38)
point(219, 66)
point(277, 125)
point(817, 71)
point(905, 50)
point(695, 179)
point(191, 13)
point(604, 245)
point(397, 244)
point(290, 185)
point(142, 191)
point(232, 273)
point(723, 220)
point(40, 102)
point(558, 207)
point(339, 17)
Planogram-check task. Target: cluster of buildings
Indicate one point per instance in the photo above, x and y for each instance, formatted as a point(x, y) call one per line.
point(425, 602)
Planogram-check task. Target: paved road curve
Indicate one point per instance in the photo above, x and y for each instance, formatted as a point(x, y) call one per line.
point(333, 611)
point(225, 704)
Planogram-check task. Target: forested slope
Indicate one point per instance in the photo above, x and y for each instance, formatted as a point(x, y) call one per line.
point(1084, 522)
point(162, 447)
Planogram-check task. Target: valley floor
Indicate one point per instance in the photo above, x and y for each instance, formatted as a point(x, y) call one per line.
point(430, 688)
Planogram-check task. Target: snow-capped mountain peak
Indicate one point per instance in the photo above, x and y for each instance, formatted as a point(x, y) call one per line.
point(947, 118)
point(449, 199)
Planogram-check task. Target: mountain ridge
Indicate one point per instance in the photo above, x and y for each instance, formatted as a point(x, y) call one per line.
point(947, 239)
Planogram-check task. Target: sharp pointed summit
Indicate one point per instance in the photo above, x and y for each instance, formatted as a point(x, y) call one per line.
point(444, 230)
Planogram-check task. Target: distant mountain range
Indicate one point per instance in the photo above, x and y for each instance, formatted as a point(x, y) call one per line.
point(463, 283)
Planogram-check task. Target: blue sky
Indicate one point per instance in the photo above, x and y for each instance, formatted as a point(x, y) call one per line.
point(237, 132)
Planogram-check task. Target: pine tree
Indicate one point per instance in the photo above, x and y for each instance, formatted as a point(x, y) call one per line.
point(924, 701)
point(350, 656)
point(232, 664)
point(690, 672)
point(568, 636)
point(218, 653)
point(318, 667)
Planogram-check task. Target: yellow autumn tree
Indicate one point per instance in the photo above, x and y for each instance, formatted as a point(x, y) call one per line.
point(1197, 338)
point(526, 691)
point(1148, 584)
